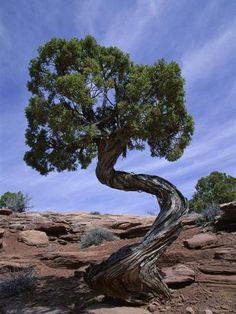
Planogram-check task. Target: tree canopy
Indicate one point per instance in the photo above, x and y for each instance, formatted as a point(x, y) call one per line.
point(216, 188)
point(82, 92)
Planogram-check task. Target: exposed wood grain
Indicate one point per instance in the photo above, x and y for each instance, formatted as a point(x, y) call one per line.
point(131, 273)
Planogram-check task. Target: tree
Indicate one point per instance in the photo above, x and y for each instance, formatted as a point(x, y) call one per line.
point(4, 197)
point(93, 101)
point(216, 188)
point(18, 202)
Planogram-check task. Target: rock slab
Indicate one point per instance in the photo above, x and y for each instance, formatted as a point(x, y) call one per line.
point(178, 276)
point(33, 237)
point(201, 240)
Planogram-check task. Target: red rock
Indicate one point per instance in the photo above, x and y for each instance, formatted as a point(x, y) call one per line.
point(228, 254)
point(52, 228)
point(219, 279)
point(33, 237)
point(178, 276)
point(5, 211)
point(69, 260)
point(71, 237)
point(191, 219)
point(138, 231)
point(201, 240)
point(227, 219)
point(125, 225)
point(220, 269)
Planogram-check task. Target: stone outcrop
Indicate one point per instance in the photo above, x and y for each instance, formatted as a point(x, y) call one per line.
point(227, 220)
point(33, 237)
point(201, 240)
point(133, 232)
point(5, 211)
point(227, 254)
point(178, 275)
point(52, 228)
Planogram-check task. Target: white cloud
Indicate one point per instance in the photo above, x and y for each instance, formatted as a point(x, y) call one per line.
point(128, 27)
point(201, 62)
point(125, 26)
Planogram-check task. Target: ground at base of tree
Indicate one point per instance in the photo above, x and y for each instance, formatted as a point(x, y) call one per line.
point(204, 282)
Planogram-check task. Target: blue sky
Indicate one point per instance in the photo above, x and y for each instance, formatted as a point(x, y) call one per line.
point(199, 35)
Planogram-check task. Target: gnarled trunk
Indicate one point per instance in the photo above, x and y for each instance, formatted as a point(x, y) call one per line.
point(131, 273)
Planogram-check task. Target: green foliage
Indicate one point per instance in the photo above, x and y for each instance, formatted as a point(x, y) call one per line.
point(5, 197)
point(19, 281)
point(82, 91)
point(16, 201)
point(96, 236)
point(216, 188)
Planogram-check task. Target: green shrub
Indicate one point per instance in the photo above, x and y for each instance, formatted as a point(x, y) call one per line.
point(18, 282)
point(18, 202)
point(96, 236)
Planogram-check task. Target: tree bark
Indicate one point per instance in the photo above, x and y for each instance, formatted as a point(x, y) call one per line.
point(131, 273)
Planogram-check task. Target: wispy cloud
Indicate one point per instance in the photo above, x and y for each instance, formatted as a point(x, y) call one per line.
point(125, 25)
point(201, 35)
point(208, 59)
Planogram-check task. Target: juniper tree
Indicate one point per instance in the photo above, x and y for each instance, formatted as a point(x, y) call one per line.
point(90, 101)
point(215, 189)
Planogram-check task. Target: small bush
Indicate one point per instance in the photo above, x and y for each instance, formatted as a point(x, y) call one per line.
point(18, 282)
point(95, 213)
point(96, 236)
point(209, 214)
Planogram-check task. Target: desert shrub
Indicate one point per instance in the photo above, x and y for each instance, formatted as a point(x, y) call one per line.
point(95, 213)
point(16, 201)
point(18, 282)
point(209, 214)
point(96, 236)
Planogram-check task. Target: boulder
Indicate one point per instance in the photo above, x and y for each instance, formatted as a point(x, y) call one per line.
point(178, 276)
point(33, 237)
point(5, 211)
point(52, 228)
point(201, 240)
point(227, 220)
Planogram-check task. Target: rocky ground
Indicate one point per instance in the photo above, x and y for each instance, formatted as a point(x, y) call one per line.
point(199, 266)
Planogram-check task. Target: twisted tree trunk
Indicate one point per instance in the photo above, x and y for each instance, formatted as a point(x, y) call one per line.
point(131, 273)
